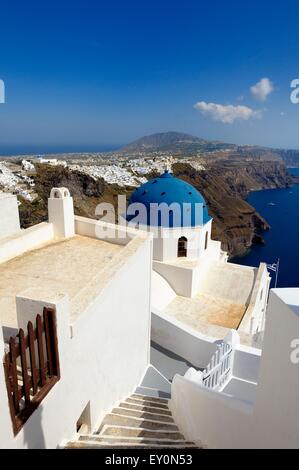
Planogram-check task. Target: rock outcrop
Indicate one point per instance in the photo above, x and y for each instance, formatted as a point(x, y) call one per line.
point(236, 223)
point(224, 185)
point(86, 191)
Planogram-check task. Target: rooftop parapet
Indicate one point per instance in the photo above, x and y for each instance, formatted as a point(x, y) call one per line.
point(9, 215)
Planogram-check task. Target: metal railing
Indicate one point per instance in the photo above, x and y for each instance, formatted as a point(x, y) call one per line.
point(217, 373)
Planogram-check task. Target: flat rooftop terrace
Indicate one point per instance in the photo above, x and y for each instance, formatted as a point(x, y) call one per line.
point(79, 267)
point(222, 300)
point(204, 309)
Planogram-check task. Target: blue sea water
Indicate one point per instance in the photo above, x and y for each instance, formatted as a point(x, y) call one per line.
point(280, 207)
point(13, 150)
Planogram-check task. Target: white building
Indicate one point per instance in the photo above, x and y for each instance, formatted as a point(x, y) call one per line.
point(51, 161)
point(82, 371)
point(257, 405)
point(192, 280)
point(27, 165)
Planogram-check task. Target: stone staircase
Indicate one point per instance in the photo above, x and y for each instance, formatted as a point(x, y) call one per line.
point(142, 421)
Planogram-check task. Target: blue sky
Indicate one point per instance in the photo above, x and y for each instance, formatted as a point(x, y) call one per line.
point(89, 74)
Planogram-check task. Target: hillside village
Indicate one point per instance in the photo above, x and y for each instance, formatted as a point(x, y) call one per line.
point(225, 178)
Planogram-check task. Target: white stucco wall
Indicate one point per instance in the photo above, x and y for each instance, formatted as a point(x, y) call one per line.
point(277, 404)
point(180, 339)
point(211, 418)
point(188, 280)
point(61, 212)
point(102, 356)
point(247, 361)
point(179, 278)
point(254, 319)
point(166, 241)
point(220, 421)
point(104, 231)
point(162, 293)
point(25, 240)
point(9, 215)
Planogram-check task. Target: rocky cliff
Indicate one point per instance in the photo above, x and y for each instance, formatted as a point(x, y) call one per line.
point(85, 190)
point(236, 223)
point(224, 186)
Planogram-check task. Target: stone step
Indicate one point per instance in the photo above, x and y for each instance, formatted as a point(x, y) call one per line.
point(141, 396)
point(124, 445)
point(126, 432)
point(154, 404)
point(142, 414)
point(137, 422)
point(134, 440)
point(152, 392)
point(149, 409)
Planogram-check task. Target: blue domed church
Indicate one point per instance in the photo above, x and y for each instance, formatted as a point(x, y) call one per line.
point(192, 279)
point(166, 189)
point(176, 213)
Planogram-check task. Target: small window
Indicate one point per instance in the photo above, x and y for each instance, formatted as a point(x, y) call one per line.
point(182, 247)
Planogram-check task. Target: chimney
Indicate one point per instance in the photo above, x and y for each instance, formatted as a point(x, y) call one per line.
point(61, 212)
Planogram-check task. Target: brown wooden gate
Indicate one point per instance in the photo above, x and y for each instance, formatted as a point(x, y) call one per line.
point(31, 367)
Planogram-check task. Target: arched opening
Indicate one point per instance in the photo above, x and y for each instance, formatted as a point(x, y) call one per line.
point(182, 247)
point(207, 240)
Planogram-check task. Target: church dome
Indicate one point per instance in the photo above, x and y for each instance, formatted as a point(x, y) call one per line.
point(168, 189)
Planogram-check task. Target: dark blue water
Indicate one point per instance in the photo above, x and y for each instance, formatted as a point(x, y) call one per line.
point(12, 150)
point(282, 240)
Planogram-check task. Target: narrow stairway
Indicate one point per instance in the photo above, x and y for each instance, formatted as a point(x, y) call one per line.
point(140, 422)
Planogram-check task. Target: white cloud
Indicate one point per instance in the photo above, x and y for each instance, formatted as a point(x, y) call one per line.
point(262, 89)
point(227, 113)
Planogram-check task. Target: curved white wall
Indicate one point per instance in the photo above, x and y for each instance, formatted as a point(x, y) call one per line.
point(162, 292)
point(182, 340)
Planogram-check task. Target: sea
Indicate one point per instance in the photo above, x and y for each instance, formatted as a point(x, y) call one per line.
point(14, 150)
point(280, 208)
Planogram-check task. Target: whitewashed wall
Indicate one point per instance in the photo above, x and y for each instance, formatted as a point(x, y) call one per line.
point(102, 360)
point(182, 340)
point(211, 418)
point(220, 421)
point(104, 231)
point(247, 361)
point(10, 221)
point(161, 293)
point(179, 278)
point(166, 241)
point(277, 403)
point(26, 240)
point(254, 319)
